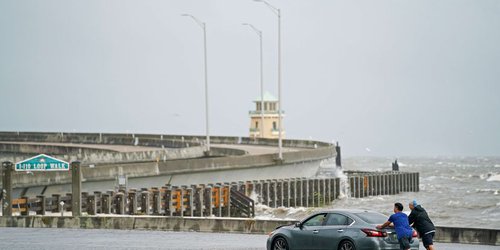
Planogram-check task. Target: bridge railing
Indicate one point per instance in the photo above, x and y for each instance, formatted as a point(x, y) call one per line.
point(156, 140)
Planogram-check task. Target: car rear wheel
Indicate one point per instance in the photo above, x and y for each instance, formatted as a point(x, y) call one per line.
point(280, 244)
point(347, 245)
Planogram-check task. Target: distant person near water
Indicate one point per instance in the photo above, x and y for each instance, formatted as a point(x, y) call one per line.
point(401, 225)
point(419, 219)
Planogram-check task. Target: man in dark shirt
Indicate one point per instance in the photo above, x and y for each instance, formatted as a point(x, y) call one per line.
point(419, 219)
point(403, 229)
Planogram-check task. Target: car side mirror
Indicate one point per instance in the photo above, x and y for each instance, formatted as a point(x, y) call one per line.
point(297, 224)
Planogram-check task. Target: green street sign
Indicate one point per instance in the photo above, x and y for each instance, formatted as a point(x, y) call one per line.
point(42, 163)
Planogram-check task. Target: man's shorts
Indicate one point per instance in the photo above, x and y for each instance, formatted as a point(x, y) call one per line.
point(404, 243)
point(427, 239)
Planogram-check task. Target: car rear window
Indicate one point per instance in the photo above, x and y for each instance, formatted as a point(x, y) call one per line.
point(372, 218)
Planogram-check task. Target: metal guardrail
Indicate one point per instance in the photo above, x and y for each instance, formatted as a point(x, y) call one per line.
point(245, 207)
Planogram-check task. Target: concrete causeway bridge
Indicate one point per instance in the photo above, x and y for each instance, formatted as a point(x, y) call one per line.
point(156, 160)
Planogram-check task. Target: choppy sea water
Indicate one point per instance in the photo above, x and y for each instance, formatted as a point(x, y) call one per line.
point(454, 191)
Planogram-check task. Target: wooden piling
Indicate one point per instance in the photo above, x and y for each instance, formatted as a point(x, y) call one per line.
point(157, 202)
point(299, 193)
point(91, 205)
point(286, 193)
point(265, 192)
point(26, 206)
point(207, 199)
point(417, 182)
point(411, 184)
point(120, 203)
point(310, 193)
point(97, 198)
point(352, 186)
point(56, 198)
point(226, 201)
point(168, 197)
point(145, 203)
point(258, 191)
point(105, 203)
point(279, 193)
point(273, 193)
point(41, 204)
point(7, 169)
point(76, 187)
point(305, 192)
point(132, 202)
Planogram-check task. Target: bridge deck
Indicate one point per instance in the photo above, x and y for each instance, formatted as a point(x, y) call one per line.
point(251, 149)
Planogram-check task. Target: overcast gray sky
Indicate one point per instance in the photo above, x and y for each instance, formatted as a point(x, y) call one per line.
point(385, 78)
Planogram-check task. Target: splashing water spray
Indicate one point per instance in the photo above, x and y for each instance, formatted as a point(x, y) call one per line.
point(329, 168)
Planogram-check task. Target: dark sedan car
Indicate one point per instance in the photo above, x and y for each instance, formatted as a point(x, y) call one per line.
point(337, 229)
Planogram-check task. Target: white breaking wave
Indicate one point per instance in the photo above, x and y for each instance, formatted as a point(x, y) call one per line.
point(495, 177)
point(344, 185)
point(264, 212)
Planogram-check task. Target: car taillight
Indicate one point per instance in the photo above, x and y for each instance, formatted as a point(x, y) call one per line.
point(373, 233)
point(414, 234)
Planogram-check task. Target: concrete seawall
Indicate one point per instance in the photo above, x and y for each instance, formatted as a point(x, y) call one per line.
point(480, 236)
point(227, 225)
point(186, 224)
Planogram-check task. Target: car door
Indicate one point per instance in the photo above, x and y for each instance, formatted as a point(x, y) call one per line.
point(329, 236)
point(302, 237)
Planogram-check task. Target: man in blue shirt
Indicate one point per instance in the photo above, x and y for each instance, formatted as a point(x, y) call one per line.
point(401, 225)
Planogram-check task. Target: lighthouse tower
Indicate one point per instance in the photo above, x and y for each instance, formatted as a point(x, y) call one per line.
point(264, 120)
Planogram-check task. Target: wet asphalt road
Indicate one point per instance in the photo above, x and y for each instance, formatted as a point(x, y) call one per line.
point(52, 238)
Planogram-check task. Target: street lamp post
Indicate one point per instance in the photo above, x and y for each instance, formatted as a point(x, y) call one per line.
point(203, 27)
point(277, 12)
point(259, 33)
